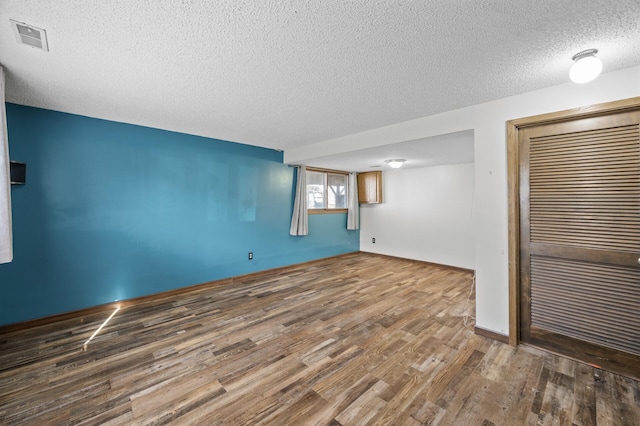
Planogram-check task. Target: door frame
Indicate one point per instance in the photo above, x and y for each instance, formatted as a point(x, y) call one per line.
point(513, 188)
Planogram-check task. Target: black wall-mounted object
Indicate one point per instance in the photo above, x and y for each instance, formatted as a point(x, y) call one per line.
point(18, 172)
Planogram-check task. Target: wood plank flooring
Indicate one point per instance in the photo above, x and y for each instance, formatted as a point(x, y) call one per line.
point(354, 340)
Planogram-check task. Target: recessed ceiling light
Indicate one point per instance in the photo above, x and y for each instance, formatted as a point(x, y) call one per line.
point(395, 164)
point(586, 66)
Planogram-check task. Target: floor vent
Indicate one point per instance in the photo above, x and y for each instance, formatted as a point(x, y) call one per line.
point(30, 35)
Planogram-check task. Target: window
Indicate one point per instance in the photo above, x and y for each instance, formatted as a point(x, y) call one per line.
point(326, 191)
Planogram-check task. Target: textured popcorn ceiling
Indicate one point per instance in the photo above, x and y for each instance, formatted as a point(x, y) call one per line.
point(284, 74)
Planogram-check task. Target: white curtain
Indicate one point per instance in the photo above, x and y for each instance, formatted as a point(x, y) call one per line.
point(300, 219)
point(353, 212)
point(6, 246)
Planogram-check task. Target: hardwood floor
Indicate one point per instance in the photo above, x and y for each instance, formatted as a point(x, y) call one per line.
point(358, 339)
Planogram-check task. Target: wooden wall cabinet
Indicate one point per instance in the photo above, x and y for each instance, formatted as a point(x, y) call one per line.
point(370, 187)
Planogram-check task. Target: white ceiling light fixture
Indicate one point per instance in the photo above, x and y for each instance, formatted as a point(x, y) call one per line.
point(395, 164)
point(586, 66)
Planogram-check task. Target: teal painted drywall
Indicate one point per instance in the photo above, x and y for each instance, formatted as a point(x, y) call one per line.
point(113, 211)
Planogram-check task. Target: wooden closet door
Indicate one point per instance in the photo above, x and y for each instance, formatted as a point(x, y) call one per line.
point(580, 239)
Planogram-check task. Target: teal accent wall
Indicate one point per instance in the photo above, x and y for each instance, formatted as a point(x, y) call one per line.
point(113, 211)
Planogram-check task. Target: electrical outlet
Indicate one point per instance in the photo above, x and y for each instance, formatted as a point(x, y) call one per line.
point(250, 255)
point(373, 240)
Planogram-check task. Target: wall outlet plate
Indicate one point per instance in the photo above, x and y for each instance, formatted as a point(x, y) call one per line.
point(373, 240)
point(250, 255)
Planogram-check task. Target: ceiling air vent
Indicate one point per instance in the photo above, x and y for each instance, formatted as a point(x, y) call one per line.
point(30, 35)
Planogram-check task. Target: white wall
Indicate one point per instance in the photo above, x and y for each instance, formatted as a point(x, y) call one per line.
point(426, 215)
point(490, 210)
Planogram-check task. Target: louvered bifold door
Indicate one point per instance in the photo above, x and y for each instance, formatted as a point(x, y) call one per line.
point(580, 237)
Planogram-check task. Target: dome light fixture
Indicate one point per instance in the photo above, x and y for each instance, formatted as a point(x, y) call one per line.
point(395, 164)
point(586, 66)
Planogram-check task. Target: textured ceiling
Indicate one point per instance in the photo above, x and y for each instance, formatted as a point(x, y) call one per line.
point(283, 74)
point(452, 148)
